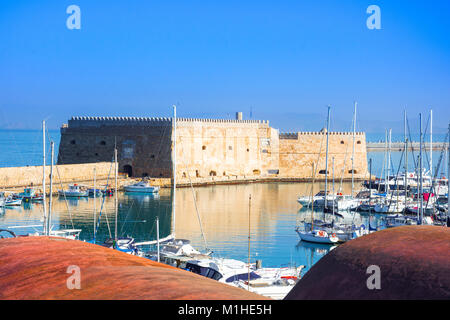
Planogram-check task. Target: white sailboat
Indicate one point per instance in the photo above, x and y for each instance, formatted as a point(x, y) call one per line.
point(307, 232)
point(172, 249)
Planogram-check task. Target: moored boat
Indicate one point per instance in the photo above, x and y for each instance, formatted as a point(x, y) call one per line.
point(141, 187)
point(74, 190)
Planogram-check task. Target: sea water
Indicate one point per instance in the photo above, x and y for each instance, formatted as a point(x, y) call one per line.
point(223, 212)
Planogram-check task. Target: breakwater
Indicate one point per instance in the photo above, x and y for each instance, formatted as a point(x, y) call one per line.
point(399, 146)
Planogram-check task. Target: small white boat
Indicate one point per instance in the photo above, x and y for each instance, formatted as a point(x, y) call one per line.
point(141, 187)
point(317, 236)
point(74, 191)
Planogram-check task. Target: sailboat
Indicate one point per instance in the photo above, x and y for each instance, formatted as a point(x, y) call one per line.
point(124, 244)
point(172, 249)
point(308, 232)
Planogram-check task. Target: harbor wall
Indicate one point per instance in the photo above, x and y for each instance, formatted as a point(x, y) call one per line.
point(32, 176)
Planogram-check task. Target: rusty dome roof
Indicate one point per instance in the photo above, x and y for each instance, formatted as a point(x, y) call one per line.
point(414, 263)
point(36, 268)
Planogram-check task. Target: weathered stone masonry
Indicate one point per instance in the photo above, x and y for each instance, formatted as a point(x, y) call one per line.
point(207, 147)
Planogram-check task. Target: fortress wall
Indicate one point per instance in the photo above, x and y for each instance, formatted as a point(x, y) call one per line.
point(206, 148)
point(144, 146)
point(299, 150)
point(32, 175)
point(223, 148)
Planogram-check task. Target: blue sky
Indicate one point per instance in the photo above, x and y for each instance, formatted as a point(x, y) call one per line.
point(284, 60)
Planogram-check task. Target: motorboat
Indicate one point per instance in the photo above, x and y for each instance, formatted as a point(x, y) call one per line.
point(29, 195)
point(141, 187)
point(123, 244)
point(172, 251)
point(390, 207)
point(306, 200)
point(74, 190)
point(270, 282)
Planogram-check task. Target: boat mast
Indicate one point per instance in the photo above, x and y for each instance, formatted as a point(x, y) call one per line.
point(389, 161)
point(420, 172)
point(431, 146)
point(95, 192)
point(332, 161)
point(157, 237)
point(370, 184)
point(326, 159)
point(385, 160)
point(312, 197)
point(43, 178)
point(353, 152)
point(248, 264)
point(448, 178)
point(115, 193)
point(174, 167)
point(406, 164)
point(52, 147)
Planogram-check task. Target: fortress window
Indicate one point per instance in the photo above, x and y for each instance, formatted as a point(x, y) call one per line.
point(264, 151)
point(212, 173)
point(352, 171)
point(103, 143)
point(342, 141)
point(184, 174)
point(323, 172)
point(358, 142)
point(224, 173)
point(197, 174)
point(96, 154)
point(72, 142)
point(152, 156)
point(248, 150)
point(256, 172)
point(230, 148)
point(203, 147)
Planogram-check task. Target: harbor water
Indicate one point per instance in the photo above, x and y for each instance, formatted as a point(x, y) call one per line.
point(223, 211)
point(223, 214)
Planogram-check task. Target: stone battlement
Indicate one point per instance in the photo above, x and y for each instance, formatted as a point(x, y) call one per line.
point(126, 121)
point(294, 135)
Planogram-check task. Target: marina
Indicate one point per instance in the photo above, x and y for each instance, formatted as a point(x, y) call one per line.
point(275, 230)
point(259, 151)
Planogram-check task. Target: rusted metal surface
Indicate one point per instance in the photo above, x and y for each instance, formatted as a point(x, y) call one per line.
point(414, 263)
point(36, 268)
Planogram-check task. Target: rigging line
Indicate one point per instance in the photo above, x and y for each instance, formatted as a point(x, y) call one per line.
point(432, 190)
point(345, 161)
point(195, 198)
point(103, 202)
point(412, 149)
point(396, 179)
point(128, 213)
point(65, 198)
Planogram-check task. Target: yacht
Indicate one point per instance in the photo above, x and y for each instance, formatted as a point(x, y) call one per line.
point(274, 283)
point(141, 187)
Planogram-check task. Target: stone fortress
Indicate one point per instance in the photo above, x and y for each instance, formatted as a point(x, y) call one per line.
point(215, 149)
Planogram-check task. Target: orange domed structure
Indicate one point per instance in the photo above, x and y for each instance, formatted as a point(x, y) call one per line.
point(414, 263)
point(37, 268)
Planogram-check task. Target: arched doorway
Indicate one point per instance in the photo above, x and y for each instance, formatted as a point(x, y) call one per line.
point(128, 170)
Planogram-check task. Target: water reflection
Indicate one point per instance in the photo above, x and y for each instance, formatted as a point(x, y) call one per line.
point(222, 210)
